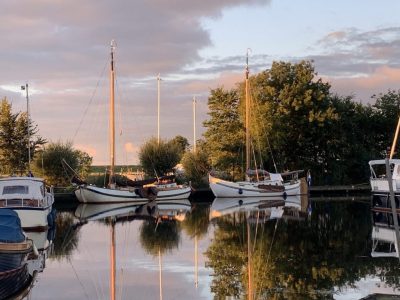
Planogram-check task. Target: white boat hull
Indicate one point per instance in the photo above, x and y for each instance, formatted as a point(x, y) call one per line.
point(227, 189)
point(182, 192)
point(29, 198)
point(33, 218)
point(93, 194)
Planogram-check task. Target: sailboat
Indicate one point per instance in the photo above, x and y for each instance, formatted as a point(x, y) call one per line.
point(111, 194)
point(272, 183)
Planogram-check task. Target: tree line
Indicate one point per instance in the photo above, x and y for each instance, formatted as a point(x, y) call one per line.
point(297, 122)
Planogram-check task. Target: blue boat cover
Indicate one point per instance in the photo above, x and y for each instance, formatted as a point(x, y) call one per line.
point(10, 227)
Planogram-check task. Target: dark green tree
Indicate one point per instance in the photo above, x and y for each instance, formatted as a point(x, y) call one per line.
point(182, 144)
point(196, 166)
point(159, 158)
point(224, 137)
point(50, 159)
point(14, 156)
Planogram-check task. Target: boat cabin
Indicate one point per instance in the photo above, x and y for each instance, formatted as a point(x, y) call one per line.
point(24, 191)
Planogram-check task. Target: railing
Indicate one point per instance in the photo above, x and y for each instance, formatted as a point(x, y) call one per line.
point(26, 202)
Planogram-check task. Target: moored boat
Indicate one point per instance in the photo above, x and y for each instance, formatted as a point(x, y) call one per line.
point(258, 183)
point(30, 198)
point(86, 193)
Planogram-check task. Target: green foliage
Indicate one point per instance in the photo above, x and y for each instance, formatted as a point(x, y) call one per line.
point(196, 166)
point(297, 123)
point(14, 156)
point(159, 158)
point(224, 137)
point(50, 161)
point(182, 144)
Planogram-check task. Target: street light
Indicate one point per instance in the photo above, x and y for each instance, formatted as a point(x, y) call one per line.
point(25, 88)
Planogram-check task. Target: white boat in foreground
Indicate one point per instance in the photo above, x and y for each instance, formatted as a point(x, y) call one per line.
point(30, 198)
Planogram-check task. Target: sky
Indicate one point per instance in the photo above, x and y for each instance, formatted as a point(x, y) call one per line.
point(61, 49)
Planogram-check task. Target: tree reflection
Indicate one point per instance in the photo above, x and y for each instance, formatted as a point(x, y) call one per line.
point(297, 260)
point(67, 237)
point(197, 221)
point(162, 236)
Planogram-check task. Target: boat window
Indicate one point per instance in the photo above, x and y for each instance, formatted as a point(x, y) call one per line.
point(16, 189)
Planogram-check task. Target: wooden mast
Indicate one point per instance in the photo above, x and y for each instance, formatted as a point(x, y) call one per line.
point(247, 125)
point(392, 150)
point(112, 114)
point(112, 261)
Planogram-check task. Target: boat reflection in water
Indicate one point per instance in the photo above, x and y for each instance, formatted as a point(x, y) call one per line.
point(244, 222)
point(111, 214)
point(22, 257)
point(384, 241)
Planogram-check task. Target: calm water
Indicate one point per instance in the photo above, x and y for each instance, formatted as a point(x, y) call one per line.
point(204, 251)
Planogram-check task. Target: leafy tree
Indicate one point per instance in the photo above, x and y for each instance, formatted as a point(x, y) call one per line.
point(196, 166)
point(14, 139)
point(50, 160)
point(224, 136)
point(182, 144)
point(159, 158)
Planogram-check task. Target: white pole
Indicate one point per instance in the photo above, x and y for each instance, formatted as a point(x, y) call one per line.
point(158, 108)
point(25, 87)
point(194, 123)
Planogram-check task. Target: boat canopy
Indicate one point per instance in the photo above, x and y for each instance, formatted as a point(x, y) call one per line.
point(10, 227)
point(22, 188)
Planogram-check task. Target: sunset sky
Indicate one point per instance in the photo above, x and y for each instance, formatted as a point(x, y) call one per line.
point(61, 49)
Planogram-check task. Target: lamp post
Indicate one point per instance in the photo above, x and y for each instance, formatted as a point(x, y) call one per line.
point(25, 88)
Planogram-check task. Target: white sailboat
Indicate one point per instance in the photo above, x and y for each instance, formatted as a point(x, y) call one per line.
point(272, 184)
point(112, 194)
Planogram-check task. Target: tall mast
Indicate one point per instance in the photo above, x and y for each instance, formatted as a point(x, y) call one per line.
point(247, 115)
point(112, 114)
point(194, 124)
point(112, 261)
point(158, 108)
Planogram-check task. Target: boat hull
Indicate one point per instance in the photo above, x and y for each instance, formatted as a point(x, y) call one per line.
point(93, 194)
point(174, 193)
point(32, 218)
point(227, 189)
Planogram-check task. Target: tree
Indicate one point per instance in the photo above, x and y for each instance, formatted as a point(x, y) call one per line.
point(159, 158)
point(50, 161)
point(182, 144)
point(224, 136)
point(14, 136)
point(196, 166)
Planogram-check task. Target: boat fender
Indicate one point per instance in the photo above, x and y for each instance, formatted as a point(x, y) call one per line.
point(284, 195)
point(240, 202)
point(50, 220)
point(240, 191)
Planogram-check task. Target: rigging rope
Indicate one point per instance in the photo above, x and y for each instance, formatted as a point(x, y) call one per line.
point(252, 96)
point(90, 101)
